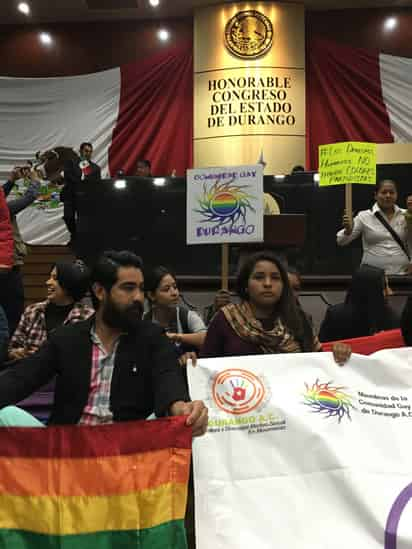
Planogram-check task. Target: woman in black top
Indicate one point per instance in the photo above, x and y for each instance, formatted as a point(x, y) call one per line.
point(66, 286)
point(364, 312)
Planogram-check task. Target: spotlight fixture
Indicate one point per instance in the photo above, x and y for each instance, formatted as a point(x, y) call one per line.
point(390, 23)
point(163, 35)
point(23, 7)
point(45, 38)
point(120, 184)
point(154, 3)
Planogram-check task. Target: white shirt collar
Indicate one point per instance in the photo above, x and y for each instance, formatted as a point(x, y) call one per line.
point(376, 208)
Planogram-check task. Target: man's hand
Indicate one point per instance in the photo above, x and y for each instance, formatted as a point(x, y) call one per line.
point(197, 412)
point(189, 356)
point(341, 353)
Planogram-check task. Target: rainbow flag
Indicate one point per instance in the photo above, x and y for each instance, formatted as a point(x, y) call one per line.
point(112, 486)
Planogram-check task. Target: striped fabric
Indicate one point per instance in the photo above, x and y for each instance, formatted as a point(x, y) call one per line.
point(97, 410)
point(111, 486)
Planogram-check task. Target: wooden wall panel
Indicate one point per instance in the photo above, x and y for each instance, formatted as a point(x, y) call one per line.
point(81, 48)
point(364, 28)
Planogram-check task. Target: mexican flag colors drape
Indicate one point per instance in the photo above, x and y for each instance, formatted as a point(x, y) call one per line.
point(112, 486)
point(355, 94)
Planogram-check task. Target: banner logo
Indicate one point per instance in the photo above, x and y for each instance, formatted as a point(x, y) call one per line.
point(248, 34)
point(237, 391)
point(328, 400)
point(224, 203)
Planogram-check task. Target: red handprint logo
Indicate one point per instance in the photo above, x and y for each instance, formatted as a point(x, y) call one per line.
point(239, 393)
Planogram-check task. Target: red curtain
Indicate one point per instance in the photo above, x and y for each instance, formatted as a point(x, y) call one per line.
point(343, 97)
point(156, 113)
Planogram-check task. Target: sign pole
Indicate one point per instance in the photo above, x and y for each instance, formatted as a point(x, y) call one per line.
point(348, 200)
point(225, 266)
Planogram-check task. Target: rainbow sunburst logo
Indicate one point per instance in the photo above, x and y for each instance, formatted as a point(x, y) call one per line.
point(224, 203)
point(328, 400)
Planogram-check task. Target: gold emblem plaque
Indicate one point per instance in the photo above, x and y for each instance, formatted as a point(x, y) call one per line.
point(248, 34)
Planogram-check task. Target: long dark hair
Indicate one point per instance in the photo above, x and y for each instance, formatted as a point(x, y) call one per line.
point(365, 296)
point(287, 308)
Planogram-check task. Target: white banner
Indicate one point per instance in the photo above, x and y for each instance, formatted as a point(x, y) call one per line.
point(39, 114)
point(225, 205)
point(302, 454)
point(41, 223)
point(43, 226)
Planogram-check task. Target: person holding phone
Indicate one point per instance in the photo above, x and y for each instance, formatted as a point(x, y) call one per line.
point(12, 299)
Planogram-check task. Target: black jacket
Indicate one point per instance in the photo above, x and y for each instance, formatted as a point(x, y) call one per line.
point(72, 186)
point(146, 374)
point(343, 322)
point(73, 173)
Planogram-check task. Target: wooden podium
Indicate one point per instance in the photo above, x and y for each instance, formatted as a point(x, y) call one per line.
point(284, 230)
point(280, 232)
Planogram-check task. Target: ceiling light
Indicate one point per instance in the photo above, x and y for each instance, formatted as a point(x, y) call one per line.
point(390, 23)
point(45, 38)
point(23, 7)
point(154, 3)
point(163, 35)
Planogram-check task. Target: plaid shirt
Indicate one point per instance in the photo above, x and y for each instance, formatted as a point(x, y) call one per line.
point(31, 332)
point(97, 410)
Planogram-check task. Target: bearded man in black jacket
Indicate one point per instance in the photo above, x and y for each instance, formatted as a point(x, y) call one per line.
point(112, 367)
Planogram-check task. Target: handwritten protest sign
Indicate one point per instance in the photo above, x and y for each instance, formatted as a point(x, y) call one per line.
point(349, 162)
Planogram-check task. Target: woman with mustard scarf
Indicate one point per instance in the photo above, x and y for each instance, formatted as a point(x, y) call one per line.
point(268, 318)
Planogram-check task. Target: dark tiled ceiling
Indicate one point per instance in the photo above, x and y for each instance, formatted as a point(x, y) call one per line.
point(112, 5)
point(89, 10)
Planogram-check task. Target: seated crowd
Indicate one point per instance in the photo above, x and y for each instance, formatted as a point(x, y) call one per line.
point(265, 316)
point(116, 340)
point(120, 305)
